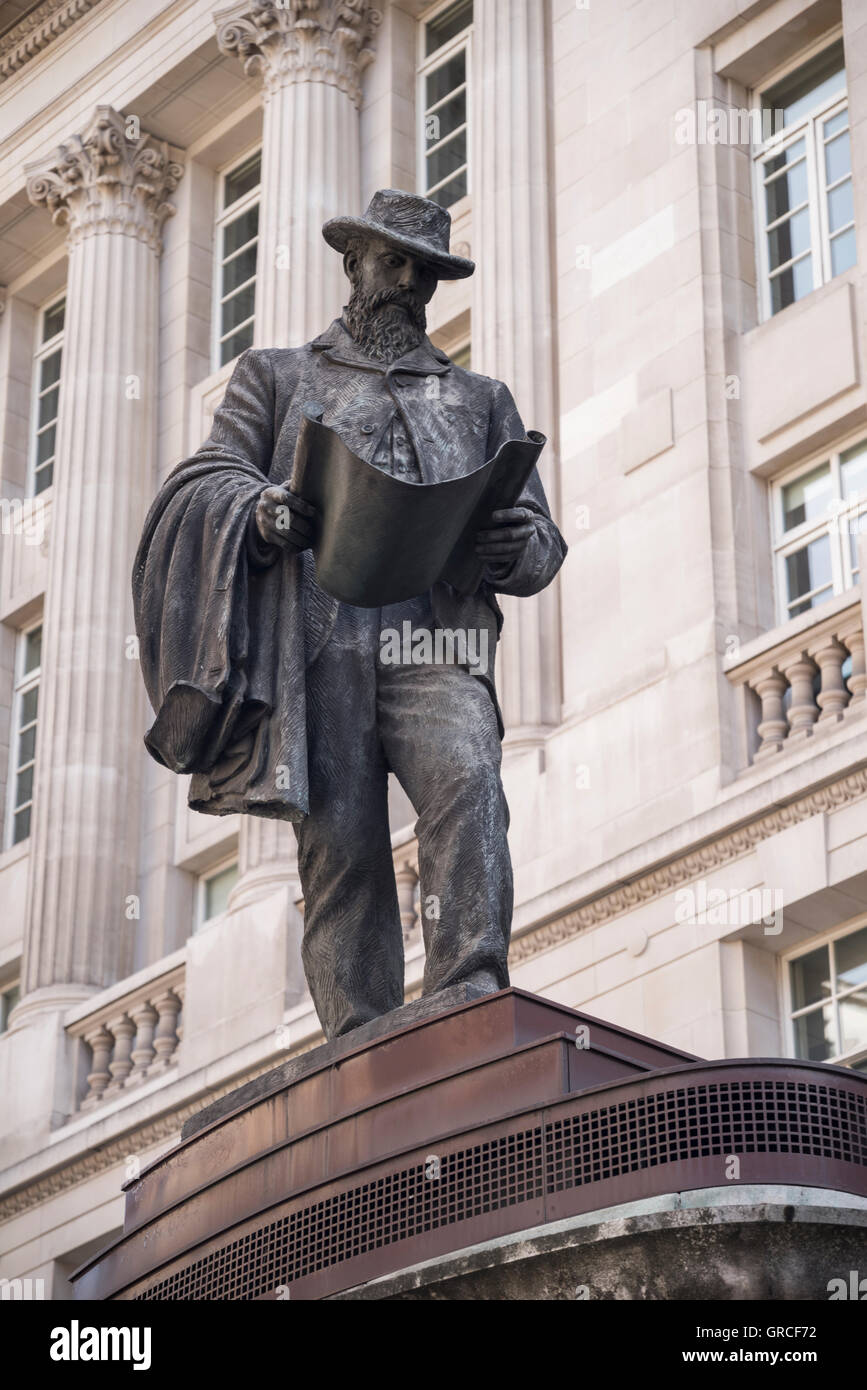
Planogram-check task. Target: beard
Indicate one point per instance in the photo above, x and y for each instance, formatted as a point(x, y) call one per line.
point(385, 323)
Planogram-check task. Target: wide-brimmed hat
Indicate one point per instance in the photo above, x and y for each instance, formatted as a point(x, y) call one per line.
point(412, 224)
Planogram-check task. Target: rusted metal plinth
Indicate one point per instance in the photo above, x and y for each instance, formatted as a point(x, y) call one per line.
point(498, 1115)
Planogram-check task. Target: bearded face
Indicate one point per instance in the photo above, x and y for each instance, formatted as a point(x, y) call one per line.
point(386, 312)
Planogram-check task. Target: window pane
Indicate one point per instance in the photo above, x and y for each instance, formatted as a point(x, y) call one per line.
point(802, 91)
point(48, 406)
point(27, 745)
point(238, 309)
point(49, 369)
point(446, 118)
point(807, 498)
point(44, 479)
point(240, 269)
point(242, 179)
point(791, 284)
point(787, 191)
point(836, 123)
point(789, 239)
point(240, 231)
point(853, 469)
point(853, 548)
point(45, 443)
point(448, 25)
point(29, 705)
point(451, 192)
point(52, 320)
point(238, 343)
point(841, 207)
point(447, 160)
point(853, 1021)
point(850, 954)
point(24, 786)
point(808, 576)
point(21, 826)
point(217, 890)
point(814, 1035)
point(445, 79)
point(843, 253)
point(32, 650)
point(838, 158)
point(811, 978)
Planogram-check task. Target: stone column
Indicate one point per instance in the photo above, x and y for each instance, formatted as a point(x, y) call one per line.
point(109, 187)
point(310, 57)
point(513, 304)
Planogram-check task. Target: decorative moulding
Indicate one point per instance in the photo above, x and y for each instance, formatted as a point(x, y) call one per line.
point(37, 30)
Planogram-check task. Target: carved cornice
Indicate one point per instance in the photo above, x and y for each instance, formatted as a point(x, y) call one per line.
point(301, 40)
point(27, 38)
point(110, 179)
point(668, 877)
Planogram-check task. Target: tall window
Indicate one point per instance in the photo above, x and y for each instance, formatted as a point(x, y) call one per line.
point(237, 246)
point(23, 747)
point(444, 102)
point(827, 988)
point(47, 365)
point(818, 515)
point(214, 890)
point(804, 181)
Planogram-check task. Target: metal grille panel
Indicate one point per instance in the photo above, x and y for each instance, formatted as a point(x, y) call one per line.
point(585, 1147)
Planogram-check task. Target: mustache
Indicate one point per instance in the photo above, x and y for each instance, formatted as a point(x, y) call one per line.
point(405, 299)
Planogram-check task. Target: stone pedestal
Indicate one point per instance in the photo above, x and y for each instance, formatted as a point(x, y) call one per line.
point(454, 1125)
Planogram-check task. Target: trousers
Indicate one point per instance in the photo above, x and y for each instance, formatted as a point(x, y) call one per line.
point(434, 726)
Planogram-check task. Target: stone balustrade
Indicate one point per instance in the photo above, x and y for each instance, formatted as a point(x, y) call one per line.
point(806, 677)
point(132, 1039)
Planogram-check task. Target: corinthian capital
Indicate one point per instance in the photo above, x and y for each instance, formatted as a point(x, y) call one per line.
point(301, 40)
point(111, 178)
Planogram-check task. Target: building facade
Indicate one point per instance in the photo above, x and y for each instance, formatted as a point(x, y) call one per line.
point(667, 204)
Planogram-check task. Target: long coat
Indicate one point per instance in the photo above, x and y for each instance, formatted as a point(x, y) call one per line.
point(226, 634)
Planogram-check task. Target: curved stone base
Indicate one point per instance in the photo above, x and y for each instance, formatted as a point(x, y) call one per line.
point(754, 1242)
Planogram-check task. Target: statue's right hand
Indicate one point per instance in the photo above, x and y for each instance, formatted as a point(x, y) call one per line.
point(286, 520)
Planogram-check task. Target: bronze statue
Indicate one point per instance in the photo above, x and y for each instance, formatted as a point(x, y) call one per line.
point(283, 701)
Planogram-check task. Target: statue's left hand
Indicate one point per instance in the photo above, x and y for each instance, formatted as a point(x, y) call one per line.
point(507, 539)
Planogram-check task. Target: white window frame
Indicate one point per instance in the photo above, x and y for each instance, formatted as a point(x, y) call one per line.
point(41, 351)
point(840, 1059)
point(836, 525)
point(201, 921)
point(425, 66)
point(222, 216)
point(23, 683)
point(808, 128)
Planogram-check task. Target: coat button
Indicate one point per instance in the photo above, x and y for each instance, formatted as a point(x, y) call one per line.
point(367, 429)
